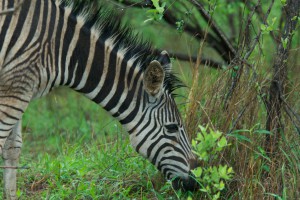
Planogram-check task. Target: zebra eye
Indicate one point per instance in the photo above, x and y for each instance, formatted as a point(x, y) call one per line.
point(172, 128)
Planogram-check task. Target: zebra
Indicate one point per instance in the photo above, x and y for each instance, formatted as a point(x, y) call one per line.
point(45, 44)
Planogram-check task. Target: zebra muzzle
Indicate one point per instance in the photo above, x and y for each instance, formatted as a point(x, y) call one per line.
point(187, 184)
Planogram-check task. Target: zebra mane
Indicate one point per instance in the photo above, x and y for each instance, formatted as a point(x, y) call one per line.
point(99, 17)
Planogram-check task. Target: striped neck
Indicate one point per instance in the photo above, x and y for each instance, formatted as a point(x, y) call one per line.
point(97, 63)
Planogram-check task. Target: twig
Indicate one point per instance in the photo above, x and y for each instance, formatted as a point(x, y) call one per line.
point(204, 61)
point(290, 112)
point(219, 44)
point(256, 40)
point(260, 14)
point(215, 28)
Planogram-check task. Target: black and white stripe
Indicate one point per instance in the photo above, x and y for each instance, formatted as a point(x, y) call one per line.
point(47, 43)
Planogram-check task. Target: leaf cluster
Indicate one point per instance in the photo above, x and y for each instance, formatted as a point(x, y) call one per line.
point(207, 145)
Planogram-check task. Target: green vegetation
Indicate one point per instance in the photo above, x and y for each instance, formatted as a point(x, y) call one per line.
point(208, 145)
point(75, 150)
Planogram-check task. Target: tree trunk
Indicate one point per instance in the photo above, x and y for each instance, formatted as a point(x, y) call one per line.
point(277, 93)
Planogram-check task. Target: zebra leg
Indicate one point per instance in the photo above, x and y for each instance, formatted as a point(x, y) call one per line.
point(11, 153)
point(14, 99)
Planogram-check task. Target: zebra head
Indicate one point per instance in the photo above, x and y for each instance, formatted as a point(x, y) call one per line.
point(160, 135)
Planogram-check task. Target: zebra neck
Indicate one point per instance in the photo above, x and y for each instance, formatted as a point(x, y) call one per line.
point(97, 68)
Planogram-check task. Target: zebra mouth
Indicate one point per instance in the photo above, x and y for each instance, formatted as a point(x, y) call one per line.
point(189, 184)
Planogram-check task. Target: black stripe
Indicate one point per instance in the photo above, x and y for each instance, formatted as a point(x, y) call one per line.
point(96, 71)
point(131, 92)
point(166, 144)
point(15, 97)
point(45, 45)
point(9, 116)
point(133, 113)
point(50, 37)
point(4, 130)
point(148, 121)
point(110, 76)
point(173, 158)
point(5, 123)
point(170, 172)
point(130, 96)
point(20, 24)
point(140, 121)
point(147, 136)
point(164, 171)
point(6, 24)
point(32, 57)
point(80, 55)
point(68, 36)
point(120, 87)
point(58, 36)
point(33, 28)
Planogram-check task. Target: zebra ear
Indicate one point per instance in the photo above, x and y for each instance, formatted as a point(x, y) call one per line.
point(165, 61)
point(153, 78)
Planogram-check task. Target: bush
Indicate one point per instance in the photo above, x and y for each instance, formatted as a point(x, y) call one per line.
point(208, 146)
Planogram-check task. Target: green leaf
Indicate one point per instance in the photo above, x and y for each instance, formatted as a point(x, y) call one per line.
point(263, 27)
point(284, 42)
point(19, 193)
point(216, 134)
point(221, 185)
point(223, 142)
point(216, 196)
point(189, 198)
point(197, 172)
point(160, 9)
point(239, 137)
point(263, 131)
point(275, 195)
point(230, 170)
point(283, 2)
point(266, 168)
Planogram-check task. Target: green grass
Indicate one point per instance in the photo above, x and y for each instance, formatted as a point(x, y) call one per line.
point(88, 171)
point(75, 150)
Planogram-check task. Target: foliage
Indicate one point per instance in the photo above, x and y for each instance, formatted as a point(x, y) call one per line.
point(76, 151)
point(157, 12)
point(207, 146)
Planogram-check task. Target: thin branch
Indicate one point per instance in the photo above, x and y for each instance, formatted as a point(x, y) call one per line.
point(198, 34)
point(169, 16)
point(204, 61)
point(260, 14)
point(215, 28)
point(290, 112)
point(256, 40)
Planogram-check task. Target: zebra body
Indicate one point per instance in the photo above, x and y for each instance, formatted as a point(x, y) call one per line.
point(47, 43)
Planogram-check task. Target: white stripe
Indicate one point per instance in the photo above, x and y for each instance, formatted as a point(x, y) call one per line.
point(120, 56)
point(8, 36)
point(108, 47)
point(93, 43)
point(72, 47)
point(68, 11)
point(126, 87)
